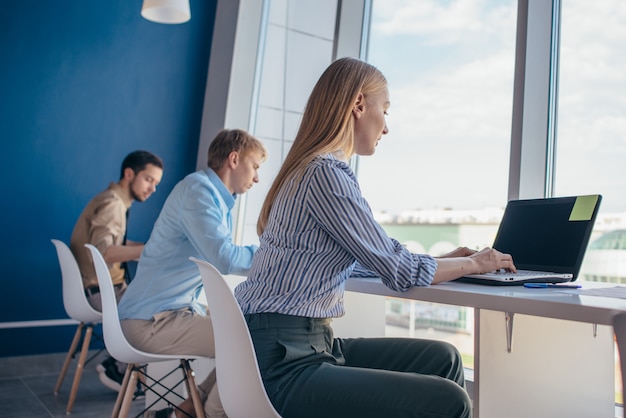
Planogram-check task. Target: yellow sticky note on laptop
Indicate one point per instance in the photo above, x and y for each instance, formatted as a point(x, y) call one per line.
point(583, 208)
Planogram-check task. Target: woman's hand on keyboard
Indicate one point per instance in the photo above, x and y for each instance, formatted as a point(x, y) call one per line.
point(451, 267)
point(489, 259)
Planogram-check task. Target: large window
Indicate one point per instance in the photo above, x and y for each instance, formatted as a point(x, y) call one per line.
point(439, 179)
point(591, 149)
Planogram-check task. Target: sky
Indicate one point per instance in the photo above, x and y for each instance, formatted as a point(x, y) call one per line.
point(450, 64)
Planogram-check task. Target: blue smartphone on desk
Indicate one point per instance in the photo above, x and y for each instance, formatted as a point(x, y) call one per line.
point(551, 285)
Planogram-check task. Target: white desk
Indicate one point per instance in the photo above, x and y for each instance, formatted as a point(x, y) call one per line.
point(538, 352)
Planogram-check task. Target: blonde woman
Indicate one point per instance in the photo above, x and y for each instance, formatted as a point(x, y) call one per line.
point(315, 231)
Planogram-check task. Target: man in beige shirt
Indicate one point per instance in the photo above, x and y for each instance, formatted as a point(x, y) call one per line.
point(103, 224)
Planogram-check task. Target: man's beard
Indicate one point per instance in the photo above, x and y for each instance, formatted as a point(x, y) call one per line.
point(133, 194)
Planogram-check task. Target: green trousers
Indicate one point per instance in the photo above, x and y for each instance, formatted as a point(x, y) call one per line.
point(309, 373)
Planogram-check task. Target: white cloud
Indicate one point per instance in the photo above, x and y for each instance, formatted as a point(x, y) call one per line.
point(439, 22)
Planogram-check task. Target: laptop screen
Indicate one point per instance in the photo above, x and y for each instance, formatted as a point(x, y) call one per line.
point(548, 234)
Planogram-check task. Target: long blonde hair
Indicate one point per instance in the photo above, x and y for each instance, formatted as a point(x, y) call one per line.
point(327, 124)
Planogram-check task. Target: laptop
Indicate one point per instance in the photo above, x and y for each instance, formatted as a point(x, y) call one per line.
point(546, 237)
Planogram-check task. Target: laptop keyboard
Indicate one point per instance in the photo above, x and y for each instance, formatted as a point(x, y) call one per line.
point(526, 273)
point(522, 273)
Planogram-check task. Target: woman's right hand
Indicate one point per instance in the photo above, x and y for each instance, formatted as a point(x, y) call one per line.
point(482, 261)
point(489, 259)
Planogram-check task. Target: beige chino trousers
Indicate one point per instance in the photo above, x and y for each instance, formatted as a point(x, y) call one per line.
point(179, 332)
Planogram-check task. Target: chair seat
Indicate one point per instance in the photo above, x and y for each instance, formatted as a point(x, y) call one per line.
point(142, 358)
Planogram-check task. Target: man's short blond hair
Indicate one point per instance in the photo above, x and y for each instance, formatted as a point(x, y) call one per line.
point(229, 140)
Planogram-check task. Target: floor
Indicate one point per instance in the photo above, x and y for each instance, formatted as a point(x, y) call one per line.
point(27, 386)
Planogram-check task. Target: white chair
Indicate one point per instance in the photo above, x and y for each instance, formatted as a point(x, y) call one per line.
point(78, 308)
point(619, 328)
point(121, 350)
point(238, 376)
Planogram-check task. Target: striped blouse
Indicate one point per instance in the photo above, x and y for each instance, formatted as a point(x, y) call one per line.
point(320, 232)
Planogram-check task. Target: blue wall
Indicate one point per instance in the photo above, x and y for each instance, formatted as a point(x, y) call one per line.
point(82, 84)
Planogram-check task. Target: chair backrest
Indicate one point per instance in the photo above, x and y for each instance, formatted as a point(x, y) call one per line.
point(114, 338)
point(619, 327)
point(236, 365)
point(74, 300)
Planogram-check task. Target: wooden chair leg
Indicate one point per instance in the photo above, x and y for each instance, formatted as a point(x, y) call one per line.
point(122, 393)
point(142, 377)
point(192, 388)
point(128, 395)
point(79, 368)
point(68, 357)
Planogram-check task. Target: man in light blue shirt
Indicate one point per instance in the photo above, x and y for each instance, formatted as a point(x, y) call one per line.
point(160, 311)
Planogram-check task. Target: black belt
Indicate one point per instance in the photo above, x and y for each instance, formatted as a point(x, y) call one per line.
point(275, 320)
point(94, 290)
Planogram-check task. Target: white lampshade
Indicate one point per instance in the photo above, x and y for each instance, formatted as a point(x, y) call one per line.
point(166, 11)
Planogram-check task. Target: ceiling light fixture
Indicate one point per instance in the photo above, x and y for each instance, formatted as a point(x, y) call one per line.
point(166, 11)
